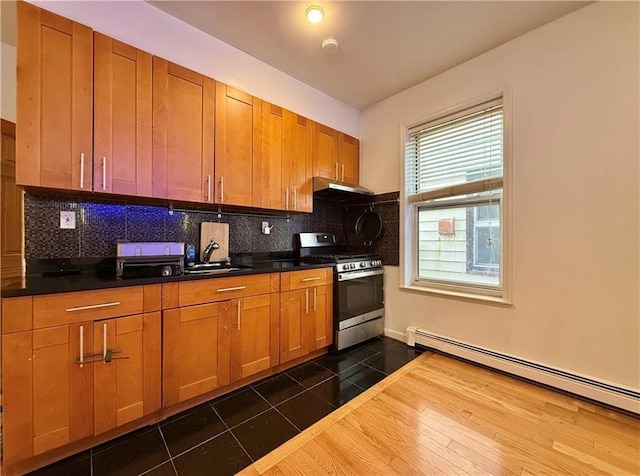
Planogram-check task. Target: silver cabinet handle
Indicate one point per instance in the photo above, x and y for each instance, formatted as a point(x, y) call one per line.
point(209, 188)
point(222, 188)
point(342, 172)
point(286, 198)
point(236, 288)
point(315, 278)
point(315, 297)
point(104, 173)
point(81, 357)
point(104, 343)
point(95, 306)
point(294, 191)
point(306, 303)
point(82, 170)
point(337, 171)
point(239, 306)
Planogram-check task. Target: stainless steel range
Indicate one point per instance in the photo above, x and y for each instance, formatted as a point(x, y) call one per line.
point(358, 306)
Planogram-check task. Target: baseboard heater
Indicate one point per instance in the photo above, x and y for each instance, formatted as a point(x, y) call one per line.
point(614, 395)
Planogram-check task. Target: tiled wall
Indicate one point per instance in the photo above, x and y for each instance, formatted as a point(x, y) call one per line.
point(100, 224)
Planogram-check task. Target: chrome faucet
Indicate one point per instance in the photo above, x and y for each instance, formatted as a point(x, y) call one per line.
point(213, 245)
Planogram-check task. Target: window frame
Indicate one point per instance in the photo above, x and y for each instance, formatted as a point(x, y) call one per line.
point(409, 213)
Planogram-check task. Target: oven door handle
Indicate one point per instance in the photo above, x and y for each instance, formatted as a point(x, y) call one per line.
point(359, 274)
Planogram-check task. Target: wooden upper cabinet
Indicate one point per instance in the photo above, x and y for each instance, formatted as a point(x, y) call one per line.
point(237, 177)
point(275, 191)
point(183, 133)
point(54, 101)
point(122, 118)
point(348, 159)
point(298, 139)
point(325, 152)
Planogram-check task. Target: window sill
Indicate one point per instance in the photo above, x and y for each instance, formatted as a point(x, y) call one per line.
point(477, 298)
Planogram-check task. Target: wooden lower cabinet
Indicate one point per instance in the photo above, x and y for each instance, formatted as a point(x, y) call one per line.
point(254, 334)
point(57, 387)
point(195, 353)
point(306, 313)
point(208, 346)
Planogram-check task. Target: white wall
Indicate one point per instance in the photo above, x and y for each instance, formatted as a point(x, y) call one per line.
point(8, 82)
point(139, 24)
point(575, 202)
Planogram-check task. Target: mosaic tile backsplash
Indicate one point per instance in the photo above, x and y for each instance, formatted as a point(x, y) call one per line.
point(101, 224)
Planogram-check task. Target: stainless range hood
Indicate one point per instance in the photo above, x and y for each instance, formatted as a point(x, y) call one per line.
point(325, 187)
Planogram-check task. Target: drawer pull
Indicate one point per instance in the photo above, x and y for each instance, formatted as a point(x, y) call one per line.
point(239, 307)
point(235, 288)
point(104, 343)
point(95, 306)
point(306, 301)
point(304, 280)
point(81, 357)
point(315, 299)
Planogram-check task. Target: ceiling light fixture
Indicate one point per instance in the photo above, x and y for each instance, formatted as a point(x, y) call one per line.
point(314, 14)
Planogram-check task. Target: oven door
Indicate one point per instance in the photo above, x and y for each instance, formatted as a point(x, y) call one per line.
point(359, 297)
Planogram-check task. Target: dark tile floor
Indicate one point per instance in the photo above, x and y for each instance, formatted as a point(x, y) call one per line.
point(229, 433)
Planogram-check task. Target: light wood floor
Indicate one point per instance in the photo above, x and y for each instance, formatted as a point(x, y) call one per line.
point(440, 416)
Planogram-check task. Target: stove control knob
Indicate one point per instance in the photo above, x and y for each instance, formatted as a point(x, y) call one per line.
point(363, 264)
point(352, 266)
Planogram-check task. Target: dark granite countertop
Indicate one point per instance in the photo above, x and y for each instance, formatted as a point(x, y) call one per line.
point(36, 285)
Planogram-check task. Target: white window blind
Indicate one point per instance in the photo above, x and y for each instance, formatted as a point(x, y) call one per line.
point(459, 155)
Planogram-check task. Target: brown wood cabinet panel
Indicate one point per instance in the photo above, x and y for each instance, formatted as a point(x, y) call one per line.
point(17, 397)
point(348, 159)
point(293, 343)
point(275, 191)
point(306, 312)
point(127, 387)
point(196, 352)
point(221, 289)
point(183, 133)
point(10, 207)
point(298, 145)
point(122, 118)
point(17, 314)
point(254, 336)
point(62, 389)
point(237, 144)
point(54, 101)
point(65, 308)
point(325, 151)
point(306, 278)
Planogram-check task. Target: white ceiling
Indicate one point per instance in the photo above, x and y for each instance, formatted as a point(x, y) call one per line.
point(385, 46)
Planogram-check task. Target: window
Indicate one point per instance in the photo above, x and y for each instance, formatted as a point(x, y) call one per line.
point(454, 181)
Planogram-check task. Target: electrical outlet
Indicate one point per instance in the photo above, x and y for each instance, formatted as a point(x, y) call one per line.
point(68, 220)
point(266, 229)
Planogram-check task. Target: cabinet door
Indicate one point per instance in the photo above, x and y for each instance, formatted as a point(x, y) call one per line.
point(122, 118)
point(183, 131)
point(274, 192)
point(195, 352)
point(127, 375)
point(348, 159)
point(254, 334)
point(325, 151)
point(237, 147)
point(298, 139)
point(293, 324)
point(48, 391)
point(321, 317)
point(54, 101)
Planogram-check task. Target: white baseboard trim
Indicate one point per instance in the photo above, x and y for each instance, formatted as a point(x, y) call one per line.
point(401, 336)
point(601, 391)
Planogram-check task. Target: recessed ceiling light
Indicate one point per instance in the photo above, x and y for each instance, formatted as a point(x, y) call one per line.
point(314, 14)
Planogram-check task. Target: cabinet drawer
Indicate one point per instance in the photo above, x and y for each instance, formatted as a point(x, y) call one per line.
point(67, 308)
point(217, 289)
point(306, 278)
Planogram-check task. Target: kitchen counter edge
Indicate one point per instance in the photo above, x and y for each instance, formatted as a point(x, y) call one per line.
point(33, 286)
